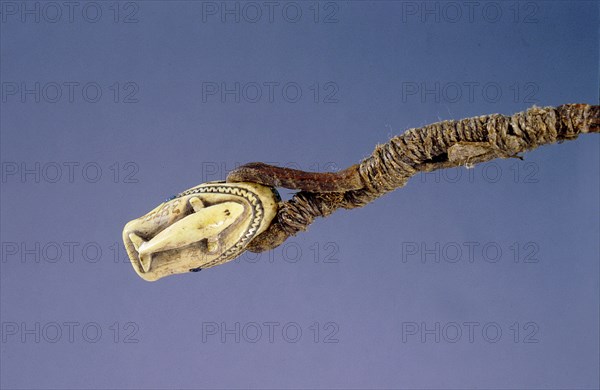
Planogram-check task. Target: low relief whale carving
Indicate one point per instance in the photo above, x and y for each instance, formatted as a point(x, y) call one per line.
point(202, 227)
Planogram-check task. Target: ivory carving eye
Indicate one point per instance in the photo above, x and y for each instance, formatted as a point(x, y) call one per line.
point(202, 227)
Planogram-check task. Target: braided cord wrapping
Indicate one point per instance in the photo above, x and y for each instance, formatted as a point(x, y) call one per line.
point(440, 145)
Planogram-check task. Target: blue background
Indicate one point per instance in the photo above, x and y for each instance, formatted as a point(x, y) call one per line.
point(378, 293)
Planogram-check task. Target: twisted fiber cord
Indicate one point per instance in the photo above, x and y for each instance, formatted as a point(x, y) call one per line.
point(437, 146)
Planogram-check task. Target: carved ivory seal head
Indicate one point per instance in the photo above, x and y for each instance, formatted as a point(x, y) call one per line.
point(202, 227)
